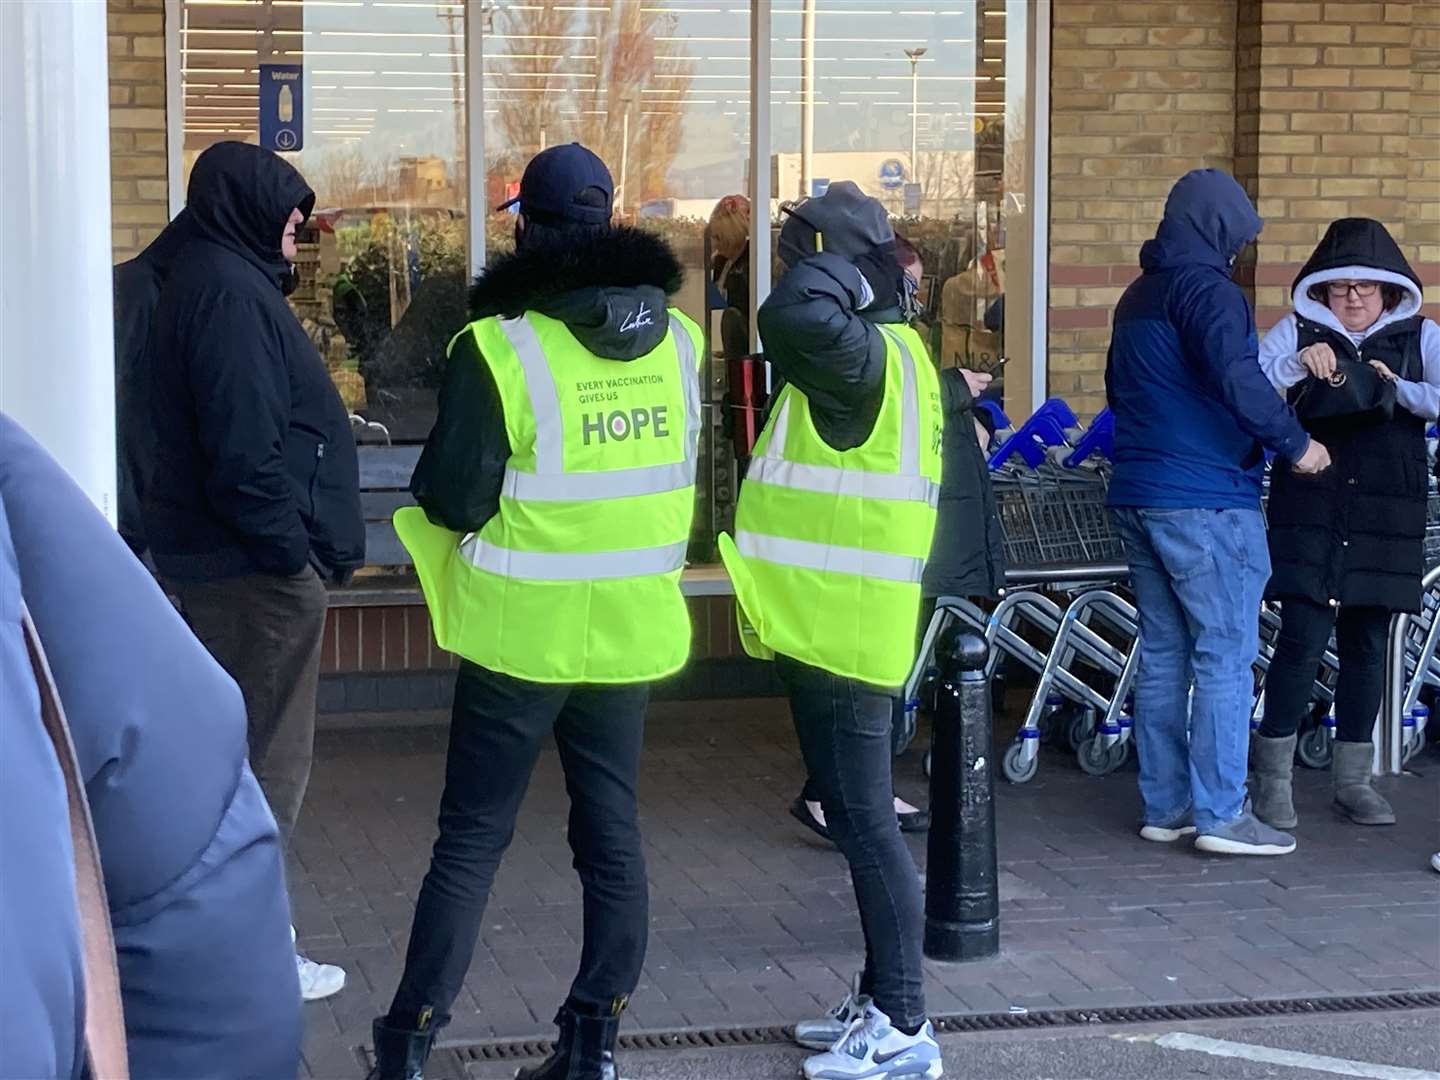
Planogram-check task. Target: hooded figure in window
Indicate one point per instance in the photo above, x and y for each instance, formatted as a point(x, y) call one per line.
point(1347, 545)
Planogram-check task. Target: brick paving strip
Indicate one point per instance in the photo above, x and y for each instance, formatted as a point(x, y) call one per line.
point(753, 920)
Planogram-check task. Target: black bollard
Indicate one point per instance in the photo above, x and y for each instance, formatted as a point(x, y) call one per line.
point(962, 902)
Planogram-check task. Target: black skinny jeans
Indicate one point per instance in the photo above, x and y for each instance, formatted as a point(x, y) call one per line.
point(496, 732)
point(844, 732)
point(1360, 634)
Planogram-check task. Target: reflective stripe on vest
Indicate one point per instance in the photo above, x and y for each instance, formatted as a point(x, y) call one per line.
point(908, 485)
point(807, 555)
point(549, 483)
point(572, 566)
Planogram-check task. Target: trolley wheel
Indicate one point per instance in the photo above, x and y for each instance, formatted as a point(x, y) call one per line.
point(1097, 759)
point(925, 764)
point(1017, 769)
point(1315, 748)
point(1082, 727)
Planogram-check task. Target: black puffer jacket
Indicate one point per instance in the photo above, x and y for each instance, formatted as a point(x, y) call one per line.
point(592, 284)
point(137, 292)
point(818, 337)
point(1355, 534)
point(255, 467)
point(968, 555)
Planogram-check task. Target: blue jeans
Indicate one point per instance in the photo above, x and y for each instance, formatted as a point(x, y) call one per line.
point(1199, 577)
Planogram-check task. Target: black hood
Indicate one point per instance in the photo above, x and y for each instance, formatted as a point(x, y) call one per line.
point(610, 288)
point(1357, 242)
point(241, 196)
point(161, 252)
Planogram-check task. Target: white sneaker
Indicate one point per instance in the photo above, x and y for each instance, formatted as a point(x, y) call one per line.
point(825, 1033)
point(872, 1048)
point(1435, 861)
point(318, 981)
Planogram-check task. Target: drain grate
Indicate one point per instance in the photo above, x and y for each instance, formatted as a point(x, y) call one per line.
point(716, 1038)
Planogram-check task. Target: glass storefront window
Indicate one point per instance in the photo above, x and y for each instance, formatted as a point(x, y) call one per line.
point(917, 106)
point(383, 262)
point(660, 90)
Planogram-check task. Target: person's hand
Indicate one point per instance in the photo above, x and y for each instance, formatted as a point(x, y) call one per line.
point(1315, 459)
point(1319, 360)
point(1384, 372)
point(982, 436)
point(977, 381)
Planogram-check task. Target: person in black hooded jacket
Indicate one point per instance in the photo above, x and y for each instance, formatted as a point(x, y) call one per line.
point(1348, 545)
point(253, 502)
point(137, 284)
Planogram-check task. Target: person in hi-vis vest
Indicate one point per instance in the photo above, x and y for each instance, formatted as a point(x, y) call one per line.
point(834, 523)
point(555, 502)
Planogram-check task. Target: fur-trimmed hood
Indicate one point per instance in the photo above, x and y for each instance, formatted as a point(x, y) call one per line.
point(610, 288)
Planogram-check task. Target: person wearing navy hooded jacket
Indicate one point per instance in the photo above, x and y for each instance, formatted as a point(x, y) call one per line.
point(1194, 416)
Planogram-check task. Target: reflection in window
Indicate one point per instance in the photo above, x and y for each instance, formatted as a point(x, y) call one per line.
point(660, 90)
point(383, 262)
point(910, 104)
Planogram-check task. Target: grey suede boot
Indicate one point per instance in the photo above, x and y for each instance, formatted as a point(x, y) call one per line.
point(1354, 795)
point(1271, 797)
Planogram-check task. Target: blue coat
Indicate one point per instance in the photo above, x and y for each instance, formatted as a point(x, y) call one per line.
point(1193, 411)
point(189, 849)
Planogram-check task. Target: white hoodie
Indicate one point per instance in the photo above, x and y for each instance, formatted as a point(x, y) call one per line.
point(1281, 362)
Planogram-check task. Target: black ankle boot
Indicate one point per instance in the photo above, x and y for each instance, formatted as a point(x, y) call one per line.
point(585, 1049)
point(400, 1053)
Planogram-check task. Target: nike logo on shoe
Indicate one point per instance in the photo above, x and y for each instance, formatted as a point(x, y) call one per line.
point(886, 1059)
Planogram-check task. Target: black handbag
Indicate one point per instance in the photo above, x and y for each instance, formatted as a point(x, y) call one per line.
point(1355, 396)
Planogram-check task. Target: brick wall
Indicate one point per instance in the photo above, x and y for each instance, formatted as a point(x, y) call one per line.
point(1141, 92)
point(139, 198)
point(1322, 109)
point(1325, 119)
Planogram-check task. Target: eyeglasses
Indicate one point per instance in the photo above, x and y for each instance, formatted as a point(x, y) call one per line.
point(1363, 289)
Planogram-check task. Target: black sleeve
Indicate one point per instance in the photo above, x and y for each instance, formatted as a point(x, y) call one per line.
point(240, 386)
point(955, 396)
point(814, 335)
point(458, 479)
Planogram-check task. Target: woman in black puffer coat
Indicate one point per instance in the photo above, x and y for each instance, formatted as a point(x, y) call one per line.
point(1347, 545)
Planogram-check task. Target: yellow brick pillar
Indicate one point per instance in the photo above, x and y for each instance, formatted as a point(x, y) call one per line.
point(1324, 119)
point(138, 175)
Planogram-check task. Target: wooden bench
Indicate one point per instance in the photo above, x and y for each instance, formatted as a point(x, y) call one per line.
point(385, 473)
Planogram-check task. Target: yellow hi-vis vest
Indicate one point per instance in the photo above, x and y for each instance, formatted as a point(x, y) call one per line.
point(576, 579)
point(830, 544)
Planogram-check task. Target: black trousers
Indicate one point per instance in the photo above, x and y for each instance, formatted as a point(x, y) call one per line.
point(497, 729)
point(844, 732)
point(1360, 634)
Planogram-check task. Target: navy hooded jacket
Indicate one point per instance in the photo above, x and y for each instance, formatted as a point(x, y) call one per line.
point(1193, 411)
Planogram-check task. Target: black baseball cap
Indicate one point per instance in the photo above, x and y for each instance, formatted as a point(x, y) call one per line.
point(561, 185)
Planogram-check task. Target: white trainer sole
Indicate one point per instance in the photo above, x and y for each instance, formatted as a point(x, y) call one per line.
point(1218, 845)
point(1158, 834)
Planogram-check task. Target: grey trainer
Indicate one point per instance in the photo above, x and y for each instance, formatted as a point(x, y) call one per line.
point(1355, 796)
point(1167, 832)
point(824, 1033)
point(1246, 835)
point(1271, 782)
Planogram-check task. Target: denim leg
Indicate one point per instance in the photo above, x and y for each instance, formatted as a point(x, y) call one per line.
point(1162, 678)
point(844, 732)
point(599, 735)
point(497, 727)
point(1219, 563)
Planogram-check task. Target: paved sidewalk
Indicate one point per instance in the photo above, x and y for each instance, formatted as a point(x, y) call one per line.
point(753, 920)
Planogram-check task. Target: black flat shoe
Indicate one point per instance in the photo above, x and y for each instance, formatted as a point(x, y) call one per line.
point(917, 822)
point(801, 813)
